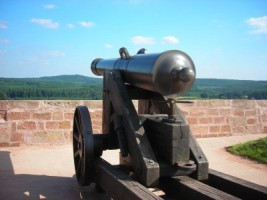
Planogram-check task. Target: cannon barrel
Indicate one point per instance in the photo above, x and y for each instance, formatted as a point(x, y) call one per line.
point(170, 73)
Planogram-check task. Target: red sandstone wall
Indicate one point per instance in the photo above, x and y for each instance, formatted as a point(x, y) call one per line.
point(212, 118)
point(39, 122)
point(50, 122)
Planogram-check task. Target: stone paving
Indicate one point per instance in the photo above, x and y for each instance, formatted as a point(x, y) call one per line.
point(47, 172)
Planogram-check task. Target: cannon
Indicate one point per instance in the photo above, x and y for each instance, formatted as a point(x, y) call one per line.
point(155, 141)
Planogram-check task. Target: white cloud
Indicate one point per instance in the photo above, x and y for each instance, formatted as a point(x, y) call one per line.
point(46, 23)
point(3, 25)
point(108, 46)
point(55, 53)
point(87, 24)
point(70, 26)
point(260, 23)
point(50, 6)
point(169, 40)
point(4, 41)
point(142, 40)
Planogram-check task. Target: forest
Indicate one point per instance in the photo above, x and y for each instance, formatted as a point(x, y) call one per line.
point(88, 88)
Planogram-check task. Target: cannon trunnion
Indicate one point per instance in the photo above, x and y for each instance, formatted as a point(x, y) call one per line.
point(155, 141)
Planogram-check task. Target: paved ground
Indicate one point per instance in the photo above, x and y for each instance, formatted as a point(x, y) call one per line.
point(47, 172)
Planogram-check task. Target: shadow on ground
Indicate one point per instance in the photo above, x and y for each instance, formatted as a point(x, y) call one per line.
point(27, 186)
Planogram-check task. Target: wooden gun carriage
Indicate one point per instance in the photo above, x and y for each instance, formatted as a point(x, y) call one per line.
point(157, 147)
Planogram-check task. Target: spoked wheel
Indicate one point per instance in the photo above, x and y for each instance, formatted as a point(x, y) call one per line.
point(83, 146)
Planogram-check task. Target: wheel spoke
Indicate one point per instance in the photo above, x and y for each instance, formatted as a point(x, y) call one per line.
point(77, 153)
point(77, 125)
point(75, 136)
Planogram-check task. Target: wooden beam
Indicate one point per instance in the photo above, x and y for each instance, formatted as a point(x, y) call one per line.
point(184, 187)
point(235, 186)
point(119, 185)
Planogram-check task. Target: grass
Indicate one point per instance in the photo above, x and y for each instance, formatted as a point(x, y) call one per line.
point(255, 150)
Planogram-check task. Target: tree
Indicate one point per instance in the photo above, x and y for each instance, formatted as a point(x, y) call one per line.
point(2, 96)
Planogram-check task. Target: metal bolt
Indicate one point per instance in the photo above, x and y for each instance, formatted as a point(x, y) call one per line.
point(151, 162)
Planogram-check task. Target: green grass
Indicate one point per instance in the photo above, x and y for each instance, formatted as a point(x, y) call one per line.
point(255, 150)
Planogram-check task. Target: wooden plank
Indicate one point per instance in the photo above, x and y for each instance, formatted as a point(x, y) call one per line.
point(235, 186)
point(144, 161)
point(119, 185)
point(184, 187)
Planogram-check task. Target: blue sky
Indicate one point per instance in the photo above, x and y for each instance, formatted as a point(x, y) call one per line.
point(225, 38)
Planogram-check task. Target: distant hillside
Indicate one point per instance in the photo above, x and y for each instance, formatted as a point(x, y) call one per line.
point(72, 79)
point(229, 89)
point(83, 87)
point(54, 87)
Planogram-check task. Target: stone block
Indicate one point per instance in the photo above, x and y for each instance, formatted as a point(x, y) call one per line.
point(243, 104)
point(218, 120)
point(239, 121)
point(3, 104)
point(238, 129)
point(200, 130)
point(251, 121)
point(42, 116)
point(17, 137)
point(215, 129)
point(3, 115)
point(62, 105)
point(196, 113)
point(5, 132)
point(57, 115)
point(96, 104)
point(213, 103)
point(192, 120)
point(64, 125)
point(226, 129)
point(25, 115)
point(225, 111)
point(238, 112)
point(39, 137)
point(212, 112)
point(23, 105)
point(55, 137)
point(68, 115)
point(251, 112)
point(205, 120)
point(261, 103)
point(26, 125)
point(52, 125)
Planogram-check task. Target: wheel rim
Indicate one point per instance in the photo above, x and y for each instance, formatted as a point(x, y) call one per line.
point(83, 146)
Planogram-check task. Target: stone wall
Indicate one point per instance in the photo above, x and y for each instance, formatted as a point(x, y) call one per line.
point(50, 121)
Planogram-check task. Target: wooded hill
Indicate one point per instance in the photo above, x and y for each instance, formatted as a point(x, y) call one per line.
point(82, 87)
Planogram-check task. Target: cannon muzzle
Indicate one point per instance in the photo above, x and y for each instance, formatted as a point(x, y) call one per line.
point(170, 73)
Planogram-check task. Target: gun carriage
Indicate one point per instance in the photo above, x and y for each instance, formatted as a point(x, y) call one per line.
point(155, 141)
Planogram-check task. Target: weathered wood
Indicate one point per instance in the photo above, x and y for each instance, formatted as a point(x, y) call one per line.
point(200, 159)
point(107, 127)
point(143, 158)
point(235, 186)
point(184, 187)
point(119, 185)
point(170, 141)
point(160, 106)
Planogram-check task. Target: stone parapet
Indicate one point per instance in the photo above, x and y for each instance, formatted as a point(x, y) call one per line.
point(51, 121)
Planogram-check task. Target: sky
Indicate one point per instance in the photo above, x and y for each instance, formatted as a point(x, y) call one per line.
point(225, 38)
